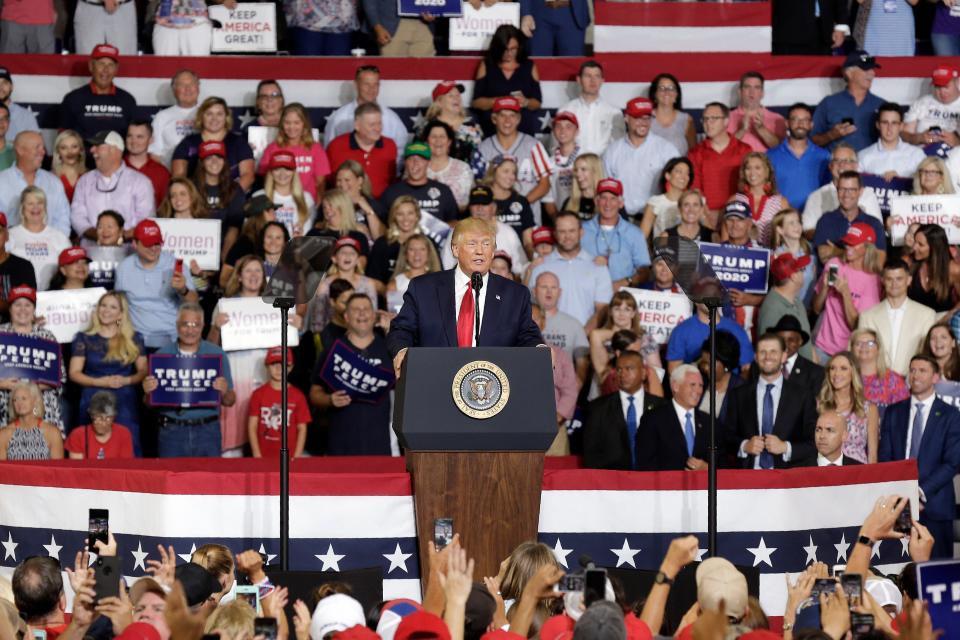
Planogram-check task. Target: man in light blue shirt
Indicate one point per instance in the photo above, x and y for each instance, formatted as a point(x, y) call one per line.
point(621, 244)
point(21, 118)
point(26, 171)
point(586, 285)
point(154, 286)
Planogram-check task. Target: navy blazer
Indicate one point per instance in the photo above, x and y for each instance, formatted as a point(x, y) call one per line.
point(660, 443)
point(537, 9)
point(428, 318)
point(939, 457)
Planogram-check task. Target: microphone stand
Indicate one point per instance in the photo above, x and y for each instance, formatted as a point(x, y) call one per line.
point(284, 304)
point(476, 283)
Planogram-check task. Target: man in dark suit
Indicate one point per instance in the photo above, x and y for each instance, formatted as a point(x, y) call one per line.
point(808, 27)
point(770, 423)
point(676, 435)
point(926, 428)
point(828, 437)
point(797, 368)
point(438, 308)
point(611, 423)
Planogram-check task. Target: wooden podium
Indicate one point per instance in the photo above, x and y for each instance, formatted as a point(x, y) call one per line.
point(473, 456)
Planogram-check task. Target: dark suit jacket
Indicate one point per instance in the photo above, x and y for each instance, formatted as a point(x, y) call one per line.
point(939, 458)
point(660, 442)
point(537, 9)
point(606, 444)
point(795, 421)
point(794, 24)
point(808, 374)
point(428, 317)
point(812, 461)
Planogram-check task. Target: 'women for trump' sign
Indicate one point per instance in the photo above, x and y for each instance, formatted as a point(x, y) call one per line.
point(68, 312)
point(189, 239)
point(252, 324)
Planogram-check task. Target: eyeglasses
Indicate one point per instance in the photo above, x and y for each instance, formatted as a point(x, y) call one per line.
point(275, 94)
point(844, 161)
point(930, 172)
point(666, 89)
point(863, 344)
point(96, 183)
point(102, 418)
point(190, 325)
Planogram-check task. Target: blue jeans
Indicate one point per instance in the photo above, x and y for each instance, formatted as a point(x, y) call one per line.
point(320, 43)
point(180, 441)
point(945, 44)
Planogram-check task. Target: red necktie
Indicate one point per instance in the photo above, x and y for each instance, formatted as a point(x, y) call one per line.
point(465, 320)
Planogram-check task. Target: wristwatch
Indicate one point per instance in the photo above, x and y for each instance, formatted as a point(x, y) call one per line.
point(865, 541)
point(661, 578)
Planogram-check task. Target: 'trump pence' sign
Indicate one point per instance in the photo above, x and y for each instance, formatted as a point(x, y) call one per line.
point(252, 26)
point(660, 311)
point(68, 312)
point(190, 239)
point(252, 324)
point(185, 380)
point(939, 586)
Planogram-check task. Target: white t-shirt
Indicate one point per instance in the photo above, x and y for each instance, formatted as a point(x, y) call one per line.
point(41, 249)
point(825, 199)
point(170, 126)
point(287, 212)
point(929, 112)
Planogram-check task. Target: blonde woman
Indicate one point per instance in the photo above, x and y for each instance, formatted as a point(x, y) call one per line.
point(296, 137)
point(69, 160)
point(418, 256)
point(842, 391)
point(881, 385)
point(214, 121)
point(932, 178)
point(587, 172)
point(282, 185)
point(786, 236)
point(338, 219)
point(403, 222)
point(692, 207)
point(447, 106)
point(110, 355)
point(622, 313)
point(353, 181)
point(34, 240)
point(27, 436)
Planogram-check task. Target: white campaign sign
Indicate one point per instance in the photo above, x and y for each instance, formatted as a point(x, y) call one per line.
point(473, 30)
point(660, 311)
point(253, 324)
point(192, 240)
point(68, 311)
point(252, 26)
point(939, 209)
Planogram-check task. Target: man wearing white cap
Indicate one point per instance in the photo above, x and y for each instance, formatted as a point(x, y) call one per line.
point(935, 116)
point(112, 185)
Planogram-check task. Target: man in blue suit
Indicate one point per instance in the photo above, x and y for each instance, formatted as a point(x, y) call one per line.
point(438, 308)
point(555, 27)
point(926, 428)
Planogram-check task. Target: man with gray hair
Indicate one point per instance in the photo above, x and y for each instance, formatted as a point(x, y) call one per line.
point(674, 436)
point(367, 145)
point(29, 153)
point(176, 122)
point(603, 620)
point(192, 432)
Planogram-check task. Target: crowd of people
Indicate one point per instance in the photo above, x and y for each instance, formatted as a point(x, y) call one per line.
point(202, 598)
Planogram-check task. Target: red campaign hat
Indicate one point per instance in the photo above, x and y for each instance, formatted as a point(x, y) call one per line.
point(639, 107)
point(500, 634)
point(542, 234)
point(213, 148)
point(347, 241)
point(275, 355)
point(610, 185)
point(568, 116)
point(71, 255)
point(3, 220)
point(506, 103)
point(147, 232)
point(943, 74)
point(139, 631)
point(356, 632)
point(785, 265)
point(858, 233)
point(559, 627)
point(423, 626)
point(445, 87)
point(283, 160)
point(22, 291)
point(105, 50)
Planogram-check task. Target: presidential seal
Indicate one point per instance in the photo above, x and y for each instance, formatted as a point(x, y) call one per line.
point(480, 389)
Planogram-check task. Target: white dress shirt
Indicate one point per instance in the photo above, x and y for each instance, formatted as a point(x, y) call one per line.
point(637, 403)
point(925, 408)
point(461, 283)
point(822, 461)
point(600, 124)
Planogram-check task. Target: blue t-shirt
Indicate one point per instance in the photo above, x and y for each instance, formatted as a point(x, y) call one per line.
point(797, 177)
point(834, 108)
point(686, 340)
point(205, 348)
point(833, 225)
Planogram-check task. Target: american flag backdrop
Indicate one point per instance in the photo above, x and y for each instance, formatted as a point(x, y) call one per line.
point(354, 513)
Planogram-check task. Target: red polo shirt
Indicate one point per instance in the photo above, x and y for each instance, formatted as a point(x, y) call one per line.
point(716, 174)
point(159, 177)
point(380, 163)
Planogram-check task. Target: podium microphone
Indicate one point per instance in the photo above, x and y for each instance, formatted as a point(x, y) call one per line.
point(476, 283)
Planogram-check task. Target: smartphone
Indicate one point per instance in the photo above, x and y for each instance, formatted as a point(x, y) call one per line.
point(39, 634)
point(210, 636)
point(249, 594)
point(97, 527)
point(266, 627)
point(178, 266)
point(107, 574)
point(594, 586)
point(837, 570)
point(934, 130)
point(832, 272)
point(570, 583)
point(823, 585)
point(442, 532)
point(904, 522)
point(860, 623)
point(853, 587)
point(847, 121)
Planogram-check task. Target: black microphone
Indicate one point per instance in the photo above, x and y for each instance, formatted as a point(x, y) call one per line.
point(476, 283)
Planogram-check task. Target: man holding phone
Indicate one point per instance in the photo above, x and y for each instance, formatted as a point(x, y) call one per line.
point(933, 118)
point(849, 115)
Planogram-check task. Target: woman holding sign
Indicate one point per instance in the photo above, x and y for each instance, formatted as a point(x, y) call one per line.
point(932, 178)
point(27, 436)
point(111, 355)
point(34, 240)
point(23, 305)
point(183, 201)
point(622, 314)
